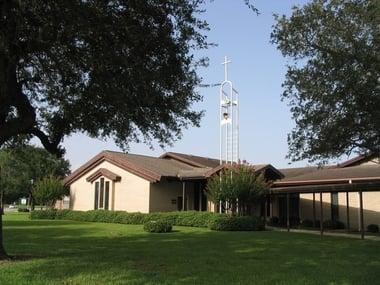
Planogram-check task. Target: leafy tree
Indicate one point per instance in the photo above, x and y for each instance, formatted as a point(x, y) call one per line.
point(48, 190)
point(238, 186)
point(18, 166)
point(116, 69)
point(120, 69)
point(333, 85)
point(22, 165)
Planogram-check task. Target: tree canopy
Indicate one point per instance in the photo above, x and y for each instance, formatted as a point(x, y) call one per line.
point(122, 69)
point(239, 186)
point(333, 81)
point(20, 165)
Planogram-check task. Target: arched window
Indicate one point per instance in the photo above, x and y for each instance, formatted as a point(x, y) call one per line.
point(102, 194)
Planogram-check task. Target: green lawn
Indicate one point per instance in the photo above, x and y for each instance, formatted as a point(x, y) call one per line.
point(66, 252)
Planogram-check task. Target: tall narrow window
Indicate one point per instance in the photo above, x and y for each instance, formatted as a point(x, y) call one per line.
point(101, 198)
point(334, 207)
point(96, 206)
point(107, 195)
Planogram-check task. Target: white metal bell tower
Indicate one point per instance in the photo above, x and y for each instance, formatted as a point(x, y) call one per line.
point(229, 120)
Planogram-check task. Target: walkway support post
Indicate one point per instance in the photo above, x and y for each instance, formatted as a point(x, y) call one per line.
point(200, 197)
point(271, 205)
point(361, 214)
point(287, 212)
point(321, 219)
point(183, 195)
point(314, 224)
point(347, 212)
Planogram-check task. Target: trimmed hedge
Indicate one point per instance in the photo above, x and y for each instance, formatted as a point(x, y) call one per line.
point(333, 225)
point(244, 223)
point(157, 227)
point(213, 221)
point(372, 228)
point(274, 221)
point(187, 218)
point(307, 223)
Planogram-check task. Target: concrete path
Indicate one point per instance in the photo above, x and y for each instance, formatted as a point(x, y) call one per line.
point(335, 234)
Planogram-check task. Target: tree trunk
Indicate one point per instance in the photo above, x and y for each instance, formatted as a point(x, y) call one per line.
point(3, 254)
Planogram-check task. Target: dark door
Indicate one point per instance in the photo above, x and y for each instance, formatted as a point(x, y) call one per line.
point(197, 190)
point(282, 209)
point(293, 209)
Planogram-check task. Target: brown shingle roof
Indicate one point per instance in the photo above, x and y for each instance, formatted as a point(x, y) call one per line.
point(162, 167)
point(194, 160)
point(147, 167)
point(169, 165)
point(333, 175)
point(296, 171)
point(357, 160)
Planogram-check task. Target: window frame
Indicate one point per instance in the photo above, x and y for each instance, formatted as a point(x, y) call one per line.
point(102, 188)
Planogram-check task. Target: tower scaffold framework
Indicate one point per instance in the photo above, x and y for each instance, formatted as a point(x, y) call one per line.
point(229, 120)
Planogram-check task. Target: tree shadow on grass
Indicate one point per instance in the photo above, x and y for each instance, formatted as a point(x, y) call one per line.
point(119, 254)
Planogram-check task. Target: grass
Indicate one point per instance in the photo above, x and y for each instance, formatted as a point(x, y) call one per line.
point(67, 252)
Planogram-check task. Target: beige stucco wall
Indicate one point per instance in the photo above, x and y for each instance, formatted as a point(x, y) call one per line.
point(371, 206)
point(130, 194)
point(162, 194)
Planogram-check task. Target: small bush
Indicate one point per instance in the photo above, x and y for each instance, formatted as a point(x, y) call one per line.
point(157, 227)
point(23, 210)
point(244, 223)
point(307, 223)
point(274, 221)
point(372, 228)
point(333, 225)
point(49, 214)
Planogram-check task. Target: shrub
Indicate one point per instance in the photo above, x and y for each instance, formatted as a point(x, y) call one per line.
point(23, 210)
point(307, 223)
point(333, 225)
point(372, 228)
point(247, 186)
point(49, 214)
point(158, 226)
point(188, 218)
point(48, 190)
point(244, 223)
point(274, 221)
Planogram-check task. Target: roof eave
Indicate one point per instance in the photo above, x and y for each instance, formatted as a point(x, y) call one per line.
point(105, 156)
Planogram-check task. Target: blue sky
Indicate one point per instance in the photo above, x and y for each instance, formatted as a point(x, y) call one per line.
point(257, 71)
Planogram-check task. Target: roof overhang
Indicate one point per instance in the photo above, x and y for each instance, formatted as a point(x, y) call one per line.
point(323, 181)
point(357, 160)
point(181, 158)
point(103, 172)
point(365, 186)
point(106, 156)
point(273, 172)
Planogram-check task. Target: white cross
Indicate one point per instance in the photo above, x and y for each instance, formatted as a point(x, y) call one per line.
point(225, 63)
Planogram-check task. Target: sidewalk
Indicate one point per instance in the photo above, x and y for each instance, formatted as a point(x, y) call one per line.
point(314, 232)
